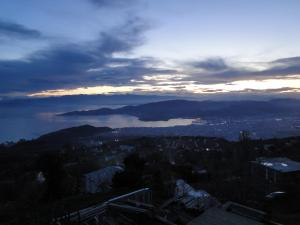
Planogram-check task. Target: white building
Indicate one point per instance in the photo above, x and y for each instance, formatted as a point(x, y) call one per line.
point(193, 199)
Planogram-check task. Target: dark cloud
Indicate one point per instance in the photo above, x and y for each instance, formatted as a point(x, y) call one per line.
point(211, 64)
point(71, 65)
point(116, 3)
point(124, 38)
point(95, 63)
point(133, 71)
point(14, 30)
point(217, 71)
point(284, 66)
point(287, 61)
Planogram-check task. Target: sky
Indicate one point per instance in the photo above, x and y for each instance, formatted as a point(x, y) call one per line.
point(182, 47)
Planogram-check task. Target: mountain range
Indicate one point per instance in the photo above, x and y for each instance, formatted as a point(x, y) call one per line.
point(165, 110)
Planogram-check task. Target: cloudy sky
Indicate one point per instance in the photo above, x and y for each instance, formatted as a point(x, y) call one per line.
point(183, 47)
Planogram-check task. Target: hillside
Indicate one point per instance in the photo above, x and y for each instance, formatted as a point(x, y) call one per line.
point(73, 133)
point(166, 110)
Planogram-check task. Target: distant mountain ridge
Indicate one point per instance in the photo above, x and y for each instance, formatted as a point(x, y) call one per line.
point(165, 110)
point(121, 99)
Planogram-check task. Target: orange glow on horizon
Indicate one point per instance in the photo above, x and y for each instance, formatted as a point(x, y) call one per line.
point(280, 85)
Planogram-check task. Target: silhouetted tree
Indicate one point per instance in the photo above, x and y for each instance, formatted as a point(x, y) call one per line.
point(245, 153)
point(51, 165)
point(127, 178)
point(134, 162)
point(244, 136)
point(132, 175)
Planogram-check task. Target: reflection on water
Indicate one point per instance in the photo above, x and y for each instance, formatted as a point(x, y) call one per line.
point(113, 121)
point(15, 128)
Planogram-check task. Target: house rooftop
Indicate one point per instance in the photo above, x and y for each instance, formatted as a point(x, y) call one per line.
point(104, 171)
point(231, 214)
point(280, 164)
point(217, 216)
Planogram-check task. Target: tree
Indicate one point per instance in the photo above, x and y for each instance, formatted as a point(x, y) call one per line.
point(127, 178)
point(134, 162)
point(244, 136)
point(245, 153)
point(51, 165)
point(132, 175)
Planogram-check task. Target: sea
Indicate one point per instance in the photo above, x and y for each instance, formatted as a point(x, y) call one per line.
point(31, 122)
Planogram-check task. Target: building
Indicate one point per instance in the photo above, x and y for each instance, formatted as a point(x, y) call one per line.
point(276, 173)
point(191, 198)
point(100, 180)
point(231, 214)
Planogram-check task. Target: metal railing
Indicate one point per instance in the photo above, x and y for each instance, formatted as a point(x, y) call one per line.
point(143, 195)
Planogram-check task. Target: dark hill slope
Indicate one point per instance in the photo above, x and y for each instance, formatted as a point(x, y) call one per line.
point(192, 109)
point(73, 133)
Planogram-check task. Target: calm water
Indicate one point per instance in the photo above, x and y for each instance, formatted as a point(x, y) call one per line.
point(15, 125)
point(31, 121)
